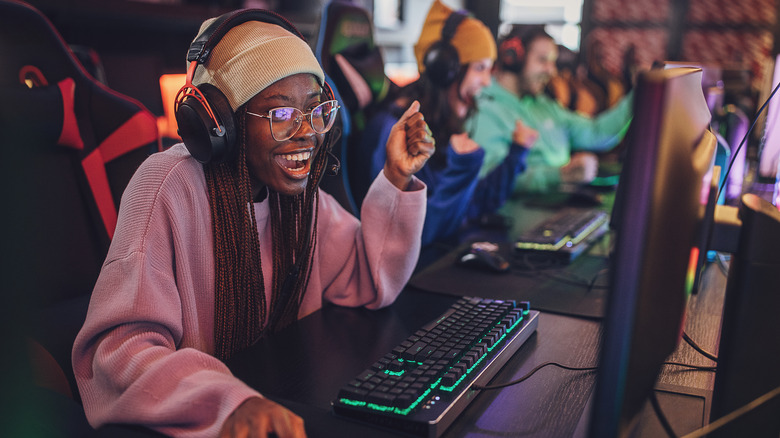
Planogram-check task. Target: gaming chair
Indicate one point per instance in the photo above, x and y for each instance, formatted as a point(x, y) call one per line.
point(354, 66)
point(70, 146)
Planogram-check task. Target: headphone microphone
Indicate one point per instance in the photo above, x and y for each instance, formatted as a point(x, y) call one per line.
point(334, 167)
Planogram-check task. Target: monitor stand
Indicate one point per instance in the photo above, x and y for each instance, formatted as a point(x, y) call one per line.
point(686, 409)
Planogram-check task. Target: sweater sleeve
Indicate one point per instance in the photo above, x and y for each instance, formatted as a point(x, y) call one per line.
point(368, 263)
point(130, 368)
point(141, 356)
point(602, 132)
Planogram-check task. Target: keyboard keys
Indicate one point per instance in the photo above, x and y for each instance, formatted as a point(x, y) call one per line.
point(424, 383)
point(436, 356)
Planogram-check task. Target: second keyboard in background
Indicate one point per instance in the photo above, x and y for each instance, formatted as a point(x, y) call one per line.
point(565, 235)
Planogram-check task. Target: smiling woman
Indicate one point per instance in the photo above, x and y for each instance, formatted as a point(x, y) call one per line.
point(455, 54)
point(284, 141)
point(226, 237)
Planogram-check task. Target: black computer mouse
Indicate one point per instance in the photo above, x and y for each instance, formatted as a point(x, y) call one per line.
point(484, 256)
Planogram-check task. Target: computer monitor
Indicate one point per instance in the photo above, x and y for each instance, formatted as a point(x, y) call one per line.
point(769, 159)
point(657, 211)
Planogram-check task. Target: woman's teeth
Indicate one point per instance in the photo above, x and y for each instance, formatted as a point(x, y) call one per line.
point(301, 156)
point(294, 162)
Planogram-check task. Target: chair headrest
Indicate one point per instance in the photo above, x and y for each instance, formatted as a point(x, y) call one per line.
point(347, 30)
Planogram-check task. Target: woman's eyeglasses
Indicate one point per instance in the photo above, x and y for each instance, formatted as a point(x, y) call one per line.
point(286, 121)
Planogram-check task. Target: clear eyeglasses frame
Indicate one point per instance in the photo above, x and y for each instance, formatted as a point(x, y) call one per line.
point(286, 121)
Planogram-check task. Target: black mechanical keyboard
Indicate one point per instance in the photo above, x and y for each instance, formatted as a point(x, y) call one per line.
point(425, 382)
point(566, 234)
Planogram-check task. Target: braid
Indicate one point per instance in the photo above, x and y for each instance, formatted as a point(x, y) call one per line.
point(294, 224)
point(240, 298)
point(239, 302)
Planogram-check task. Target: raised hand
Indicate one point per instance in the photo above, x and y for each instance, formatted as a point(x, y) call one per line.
point(524, 135)
point(409, 146)
point(463, 144)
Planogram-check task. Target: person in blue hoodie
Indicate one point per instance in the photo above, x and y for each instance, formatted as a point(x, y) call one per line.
point(455, 55)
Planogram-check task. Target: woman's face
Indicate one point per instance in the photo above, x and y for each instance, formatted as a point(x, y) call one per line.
point(282, 166)
point(477, 77)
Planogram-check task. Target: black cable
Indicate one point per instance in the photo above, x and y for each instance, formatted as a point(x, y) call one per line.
point(733, 415)
point(549, 262)
point(734, 155)
point(530, 373)
point(696, 347)
point(576, 281)
point(592, 284)
point(537, 270)
point(657, 406)
point(693, 367)
point(661, 416)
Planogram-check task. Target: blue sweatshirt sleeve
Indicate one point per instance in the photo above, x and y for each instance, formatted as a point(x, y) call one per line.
point(450, 191)
point(496, 187)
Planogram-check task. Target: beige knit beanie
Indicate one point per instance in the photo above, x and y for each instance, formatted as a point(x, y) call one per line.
point(252, 56)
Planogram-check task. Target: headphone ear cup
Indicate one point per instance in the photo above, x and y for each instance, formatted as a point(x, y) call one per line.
point(512, 54)
point(442, 63)
point(206, 140)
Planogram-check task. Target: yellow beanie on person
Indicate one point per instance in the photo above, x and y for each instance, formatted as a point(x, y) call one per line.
point(473, 40)
point(252, 56)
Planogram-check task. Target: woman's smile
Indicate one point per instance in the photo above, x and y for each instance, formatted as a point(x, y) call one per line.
point(297, 165)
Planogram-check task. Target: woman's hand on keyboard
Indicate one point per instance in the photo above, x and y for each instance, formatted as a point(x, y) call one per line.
point(260, 417)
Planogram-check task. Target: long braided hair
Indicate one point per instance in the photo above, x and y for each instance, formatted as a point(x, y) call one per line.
point(240, 308)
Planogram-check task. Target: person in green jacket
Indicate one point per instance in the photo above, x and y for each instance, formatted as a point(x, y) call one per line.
point(564, 151)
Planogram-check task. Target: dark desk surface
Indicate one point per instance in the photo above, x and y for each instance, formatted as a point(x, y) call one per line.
point(312, 359)
point(304, 366)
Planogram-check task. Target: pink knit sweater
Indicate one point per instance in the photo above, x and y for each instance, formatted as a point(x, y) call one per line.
point(143, 355)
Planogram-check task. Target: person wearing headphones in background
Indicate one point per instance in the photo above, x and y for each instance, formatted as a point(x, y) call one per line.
point(564, 152)
point(226, 238)
point(455, 55)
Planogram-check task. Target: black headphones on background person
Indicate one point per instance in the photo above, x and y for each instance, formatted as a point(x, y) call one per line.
point(205, 119)
point(441, 60)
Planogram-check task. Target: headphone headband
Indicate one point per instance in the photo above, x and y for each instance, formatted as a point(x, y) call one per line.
point(204, 116)
point(441, 60)
point(452, 23)
point(201, 47)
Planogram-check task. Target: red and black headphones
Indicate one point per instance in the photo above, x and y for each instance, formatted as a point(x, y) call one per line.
point(511, 52)
point(207, 124)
